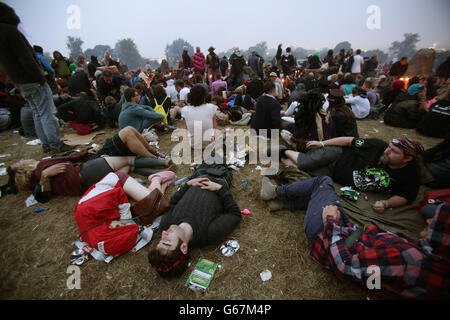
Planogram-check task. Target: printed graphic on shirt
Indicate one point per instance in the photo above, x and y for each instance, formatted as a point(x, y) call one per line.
point(359, 143)
point(372, 179)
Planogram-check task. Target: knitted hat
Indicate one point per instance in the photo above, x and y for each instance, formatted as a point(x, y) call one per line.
point(415, 89)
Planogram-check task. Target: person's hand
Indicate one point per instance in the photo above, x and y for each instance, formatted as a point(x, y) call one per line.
point(93, 150)
point(313, 145)
point(199, 182)
point(211, 186)
point(330, 211)
point(54, 170)
point(379, 207)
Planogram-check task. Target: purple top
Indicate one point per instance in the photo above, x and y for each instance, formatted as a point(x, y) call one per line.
point(216, 85)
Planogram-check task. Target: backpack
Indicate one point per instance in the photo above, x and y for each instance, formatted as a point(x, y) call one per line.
point(160, 109)
point(435, 197)
point(436, 122)
point(214, 61)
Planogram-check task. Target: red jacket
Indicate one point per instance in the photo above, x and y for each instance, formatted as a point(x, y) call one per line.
point(198, 59)
point(100, 205)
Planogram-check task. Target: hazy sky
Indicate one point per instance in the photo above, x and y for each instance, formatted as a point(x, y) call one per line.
point(224, 24)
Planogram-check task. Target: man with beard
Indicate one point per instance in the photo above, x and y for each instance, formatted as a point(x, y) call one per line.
point(367, 165)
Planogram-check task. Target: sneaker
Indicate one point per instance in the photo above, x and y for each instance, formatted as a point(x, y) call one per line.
point(64, 148)
point(275, 205)
point(268, 190)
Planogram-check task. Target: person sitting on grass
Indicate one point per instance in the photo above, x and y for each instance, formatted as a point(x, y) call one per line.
point(134, 114)
point(411, 269)
point(366, 164)
point(203, 212)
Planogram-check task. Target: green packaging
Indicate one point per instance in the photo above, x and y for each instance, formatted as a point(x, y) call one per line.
point(200, 278)
point(349, 193)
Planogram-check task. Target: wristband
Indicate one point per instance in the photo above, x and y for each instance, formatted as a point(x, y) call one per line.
point(384, 202)
point(322, 144)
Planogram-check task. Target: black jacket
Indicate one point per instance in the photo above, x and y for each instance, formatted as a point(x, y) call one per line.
point(212, 215)
point(104, 89)
point(79, 82)
point(83, 111)
point(398, 70)
point(17, 58)
point(267, 115)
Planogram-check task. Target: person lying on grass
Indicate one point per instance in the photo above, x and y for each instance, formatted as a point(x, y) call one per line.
point(72, 175)
point(411, 269)
point(203, 212)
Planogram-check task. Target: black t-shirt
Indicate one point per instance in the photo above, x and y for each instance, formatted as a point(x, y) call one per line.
point(364, 154)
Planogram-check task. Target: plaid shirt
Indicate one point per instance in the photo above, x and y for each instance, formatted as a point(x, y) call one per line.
point(406, 268)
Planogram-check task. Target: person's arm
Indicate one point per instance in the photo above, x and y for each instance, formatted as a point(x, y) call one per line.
point(148, 113)
point(225, 223)
point(47, 65)
point(393, 202)
point(335, 142)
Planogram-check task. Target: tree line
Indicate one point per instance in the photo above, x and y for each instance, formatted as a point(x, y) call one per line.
point(127, 52)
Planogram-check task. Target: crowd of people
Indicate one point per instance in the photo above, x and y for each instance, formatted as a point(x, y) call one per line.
point(314, 107)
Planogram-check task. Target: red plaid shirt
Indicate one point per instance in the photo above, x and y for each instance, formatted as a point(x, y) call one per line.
point(406, 267)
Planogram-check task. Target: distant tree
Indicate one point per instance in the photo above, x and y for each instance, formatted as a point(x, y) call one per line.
point(48, 56)
point(406, 48)
point(260, 48)
point(382, 56)
point(175, 50)
point(74, 45)
point(126, 50)
point(98, 51)
point(342, 45)
point(440, 58)
point(301, 53)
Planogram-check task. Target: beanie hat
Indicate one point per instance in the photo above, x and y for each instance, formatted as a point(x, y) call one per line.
point(415, 89)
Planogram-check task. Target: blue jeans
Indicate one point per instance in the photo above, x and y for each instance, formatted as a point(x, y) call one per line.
point(40, 99)
point(311, 195)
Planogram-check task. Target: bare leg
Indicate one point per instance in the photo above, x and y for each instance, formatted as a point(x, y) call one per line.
point(135, 142)
point(137, 191)
point(289, 162)
point(292, 155)
point(117, 163)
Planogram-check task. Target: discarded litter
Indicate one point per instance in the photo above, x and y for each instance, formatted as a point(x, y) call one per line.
point(350, 193)
point(34, 142)
point(200, 278)
point(78, 257)
point(246, 212)
point(266, 275)
point(229, 248)
point(4, 155)
point(31, 201)
point(181, 180)
point(246, 183)
point(3, 171)
point(37, 210)
point(258, 168)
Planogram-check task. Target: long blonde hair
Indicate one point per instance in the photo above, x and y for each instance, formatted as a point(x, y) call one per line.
point(22, 178)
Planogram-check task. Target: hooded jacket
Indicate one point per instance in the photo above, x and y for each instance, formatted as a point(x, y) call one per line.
point(134, 115)
point(17, 58)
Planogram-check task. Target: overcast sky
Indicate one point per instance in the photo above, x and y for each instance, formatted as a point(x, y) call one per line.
point(224, 24)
